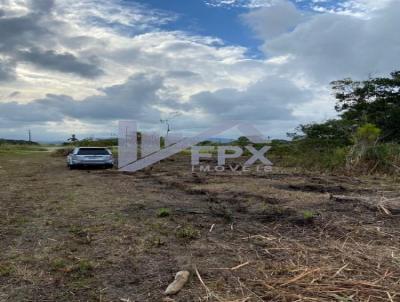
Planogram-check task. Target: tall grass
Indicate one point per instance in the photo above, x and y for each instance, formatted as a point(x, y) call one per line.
point(308, 157)
point(20, 149)
point(379, 158)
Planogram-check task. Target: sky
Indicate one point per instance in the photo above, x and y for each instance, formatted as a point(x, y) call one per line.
point(79, 66)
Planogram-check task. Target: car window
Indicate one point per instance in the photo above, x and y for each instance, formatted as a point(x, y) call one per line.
point(93, 151)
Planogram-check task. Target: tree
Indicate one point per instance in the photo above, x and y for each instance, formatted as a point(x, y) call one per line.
point(375, 101)
point(73, 138)
point(367, 134)
point(332, 133)
point(243, 141)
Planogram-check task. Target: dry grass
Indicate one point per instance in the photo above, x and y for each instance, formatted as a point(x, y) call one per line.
point(97, 235)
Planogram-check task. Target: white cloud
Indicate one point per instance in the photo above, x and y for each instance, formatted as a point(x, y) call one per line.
point(361, 8)
point(331, 46)
point(55, 86)
point(350, 7)
point(107, 60)
point(128, 42)
point(239, 3)
point(269, 22)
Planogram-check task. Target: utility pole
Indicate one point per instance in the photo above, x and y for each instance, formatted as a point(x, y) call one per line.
point(168, 126)
point(29, 136)
point(168, 120)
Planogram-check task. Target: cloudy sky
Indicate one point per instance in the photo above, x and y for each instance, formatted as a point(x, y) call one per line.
point(79, 66)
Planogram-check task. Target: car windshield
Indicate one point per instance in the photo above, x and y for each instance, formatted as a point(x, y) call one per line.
point(93, 151)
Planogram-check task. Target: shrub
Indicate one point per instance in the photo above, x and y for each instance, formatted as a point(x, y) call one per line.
point(383, 158)
point(62, 152)
point(367, 134)
point(89, 142)
point(299, 154)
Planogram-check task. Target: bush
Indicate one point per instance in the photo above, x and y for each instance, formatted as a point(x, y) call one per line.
point(305, 155)
point(62, 152)
point(383, 158)
point(367, 134)
point(108, 142)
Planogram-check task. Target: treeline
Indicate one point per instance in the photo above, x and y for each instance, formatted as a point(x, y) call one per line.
point(16, 142)
point(88, 142)
point(365, 138)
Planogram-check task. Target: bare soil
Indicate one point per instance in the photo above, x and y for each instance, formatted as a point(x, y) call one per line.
point(102, 235)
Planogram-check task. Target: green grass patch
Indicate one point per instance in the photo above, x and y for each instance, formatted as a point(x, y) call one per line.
point(20, 149)
point(308, 215)
point(6, 270)
point(188, 232)
point(163, 212)
point(58, 264)
point(84, 267)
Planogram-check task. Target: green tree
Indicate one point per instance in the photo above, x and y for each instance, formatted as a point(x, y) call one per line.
point(243, 141)
point(73, 138)
point(375, 101)
point(333, 133)
point(367, 134)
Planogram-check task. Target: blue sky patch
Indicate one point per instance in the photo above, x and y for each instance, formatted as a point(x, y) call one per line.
point(205, 18)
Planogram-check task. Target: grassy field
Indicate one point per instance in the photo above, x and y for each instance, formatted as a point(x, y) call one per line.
point(101, 235)
point(8, 149)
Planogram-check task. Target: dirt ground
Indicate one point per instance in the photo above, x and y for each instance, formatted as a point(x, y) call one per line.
point(101, 235)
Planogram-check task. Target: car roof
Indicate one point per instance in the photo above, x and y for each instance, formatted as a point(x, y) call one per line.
point(92, 147)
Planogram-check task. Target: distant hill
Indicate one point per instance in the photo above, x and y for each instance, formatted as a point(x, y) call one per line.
point(16, 142)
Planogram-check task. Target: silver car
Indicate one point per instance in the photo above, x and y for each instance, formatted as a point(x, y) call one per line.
point(90, 156)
